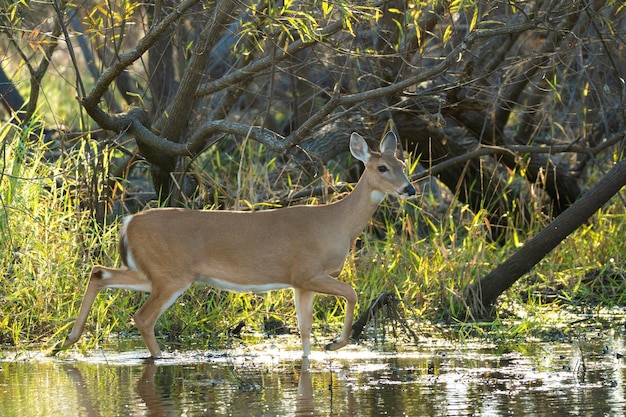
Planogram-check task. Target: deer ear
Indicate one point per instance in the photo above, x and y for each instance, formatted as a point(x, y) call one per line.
point(358, 148)
point(389, 144)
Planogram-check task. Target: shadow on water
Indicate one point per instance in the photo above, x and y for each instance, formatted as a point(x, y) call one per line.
point(583, 377)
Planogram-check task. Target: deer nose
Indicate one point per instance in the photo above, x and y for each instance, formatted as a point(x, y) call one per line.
point(409, 190)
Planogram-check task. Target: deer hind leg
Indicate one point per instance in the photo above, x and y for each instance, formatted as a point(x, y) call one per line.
point(330, 286)
point(102, 277)
point(304, 310)
point(159, 300)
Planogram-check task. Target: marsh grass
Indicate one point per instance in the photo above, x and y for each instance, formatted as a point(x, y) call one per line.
point(428, 256)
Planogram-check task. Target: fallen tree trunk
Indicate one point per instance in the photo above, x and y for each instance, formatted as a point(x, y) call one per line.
point(481, 296)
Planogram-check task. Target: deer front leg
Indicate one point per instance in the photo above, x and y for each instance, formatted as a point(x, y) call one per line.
point(351, 298)
point(304, 311)
point(330, 286)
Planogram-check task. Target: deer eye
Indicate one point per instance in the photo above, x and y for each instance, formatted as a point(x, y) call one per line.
point(382, 168)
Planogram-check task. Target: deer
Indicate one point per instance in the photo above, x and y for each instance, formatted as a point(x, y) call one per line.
point(303, 247)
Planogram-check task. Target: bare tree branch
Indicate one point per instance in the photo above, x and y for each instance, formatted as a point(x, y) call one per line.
point(516, 151)
point(358, 98)
point(37, 74)
point(267, 61)
point(109, 75)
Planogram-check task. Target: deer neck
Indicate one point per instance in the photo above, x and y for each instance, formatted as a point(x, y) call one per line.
point(358, 207)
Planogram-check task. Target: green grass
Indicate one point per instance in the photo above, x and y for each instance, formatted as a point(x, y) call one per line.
point(50, 242)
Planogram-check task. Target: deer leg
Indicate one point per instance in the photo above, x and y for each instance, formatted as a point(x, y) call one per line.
point(344, 338)
point(156, 304)
point(102, 277)
point(330, 286)
point(304, 311)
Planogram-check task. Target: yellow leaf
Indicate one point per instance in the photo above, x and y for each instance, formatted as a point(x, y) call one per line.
point(446, 34)
point(349, 27)
point(327, 8)
point(474, 19)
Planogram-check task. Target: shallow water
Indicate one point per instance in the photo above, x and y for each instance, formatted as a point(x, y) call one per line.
point(585, 377)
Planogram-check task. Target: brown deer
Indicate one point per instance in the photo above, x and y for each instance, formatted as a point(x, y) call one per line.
point(165, 250)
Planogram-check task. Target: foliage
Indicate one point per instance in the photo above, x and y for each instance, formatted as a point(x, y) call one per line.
point(301, 75)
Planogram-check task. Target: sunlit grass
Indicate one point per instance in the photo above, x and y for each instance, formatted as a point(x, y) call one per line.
point(426, 259)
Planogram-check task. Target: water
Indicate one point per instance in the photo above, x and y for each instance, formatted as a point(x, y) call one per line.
point(583, 377)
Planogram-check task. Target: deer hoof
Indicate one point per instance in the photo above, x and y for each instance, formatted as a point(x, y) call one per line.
point(334, 345)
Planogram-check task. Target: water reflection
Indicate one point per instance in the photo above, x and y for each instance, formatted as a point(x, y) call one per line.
point(581, 378)
point(153, 396)
point(83, 396)
point(304, 403)
point(158, 401)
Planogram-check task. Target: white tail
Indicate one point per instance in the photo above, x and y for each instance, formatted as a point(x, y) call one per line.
point(300, 247)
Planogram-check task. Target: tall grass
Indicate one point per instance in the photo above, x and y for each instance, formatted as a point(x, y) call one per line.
point(51, 240)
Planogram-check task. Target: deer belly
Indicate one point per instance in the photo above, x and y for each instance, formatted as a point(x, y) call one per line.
point(242, 287)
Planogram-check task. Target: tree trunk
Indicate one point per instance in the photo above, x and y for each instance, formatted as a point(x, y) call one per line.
point(174, 120)
point(481, 296)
